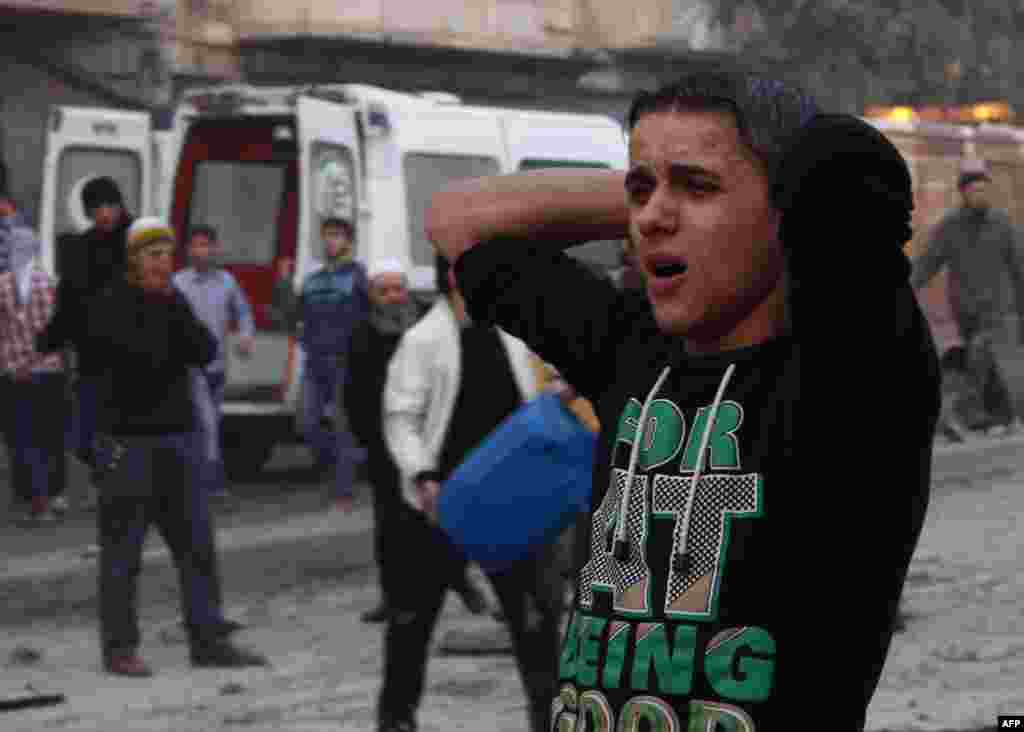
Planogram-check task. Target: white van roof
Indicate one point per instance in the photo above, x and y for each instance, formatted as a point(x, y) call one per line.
point(278, 98)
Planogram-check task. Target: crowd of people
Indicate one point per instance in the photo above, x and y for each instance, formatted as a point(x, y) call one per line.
point(725, 371)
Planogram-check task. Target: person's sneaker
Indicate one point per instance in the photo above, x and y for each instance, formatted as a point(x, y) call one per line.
point(1000, 430)
point(223, 654)
point(952, 431)
point(90, 501)
point(127, 665)
point(344, 504)
point(223, 629)
point(38, 518)
point(59, 505)
point(379, 614)
point(40, 514)
point(224, 502)
point(401, 725)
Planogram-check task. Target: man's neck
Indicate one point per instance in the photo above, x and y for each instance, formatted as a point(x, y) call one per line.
point(770, 319)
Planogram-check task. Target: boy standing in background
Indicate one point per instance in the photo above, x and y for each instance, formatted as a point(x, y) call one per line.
point(218, 301)
point(334, 299)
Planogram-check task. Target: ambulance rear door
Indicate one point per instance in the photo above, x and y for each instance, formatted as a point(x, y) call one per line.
point(436, 145)
point(551, 140)
point(329, 185)
point(84, 143)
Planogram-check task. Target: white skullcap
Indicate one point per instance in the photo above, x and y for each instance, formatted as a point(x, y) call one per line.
point(386, 266)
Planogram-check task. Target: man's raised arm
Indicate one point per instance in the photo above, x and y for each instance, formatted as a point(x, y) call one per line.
point(569, 206)
point(505, 238)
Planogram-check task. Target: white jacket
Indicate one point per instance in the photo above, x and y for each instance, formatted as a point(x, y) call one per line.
point(423, 381)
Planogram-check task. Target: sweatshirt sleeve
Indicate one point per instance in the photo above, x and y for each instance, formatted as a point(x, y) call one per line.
point(565, 313)
point(864, 399)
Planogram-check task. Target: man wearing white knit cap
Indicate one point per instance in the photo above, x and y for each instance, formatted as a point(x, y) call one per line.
point(146, 339)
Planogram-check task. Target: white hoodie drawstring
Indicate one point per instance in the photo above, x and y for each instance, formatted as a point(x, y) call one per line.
point(680, 558)
point(620, 547)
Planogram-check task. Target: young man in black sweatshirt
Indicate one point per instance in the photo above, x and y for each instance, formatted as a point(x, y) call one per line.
point(146, 339)
point(763, 473)
point(96, 261)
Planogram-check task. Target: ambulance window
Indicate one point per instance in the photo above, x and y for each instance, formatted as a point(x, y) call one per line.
point(425, 173)
point(79, 164)
point(242, 200)
point(332, 188)
point(603, 256)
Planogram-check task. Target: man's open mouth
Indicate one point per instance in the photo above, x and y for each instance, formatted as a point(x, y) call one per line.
point(667, 266)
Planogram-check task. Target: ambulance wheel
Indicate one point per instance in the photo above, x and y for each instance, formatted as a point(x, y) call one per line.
point(245, 460)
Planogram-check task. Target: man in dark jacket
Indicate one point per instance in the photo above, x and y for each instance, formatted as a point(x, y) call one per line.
point(978, 243)
point(101, 258)
point(145, 339)
point(374, 341)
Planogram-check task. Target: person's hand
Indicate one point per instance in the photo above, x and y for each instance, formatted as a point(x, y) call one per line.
point(245, 345)
point(286, 268)
point(429, 491)
point(564, 391)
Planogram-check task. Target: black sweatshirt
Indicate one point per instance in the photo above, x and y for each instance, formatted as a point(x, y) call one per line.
point(98, 261)
point(777, 615)
point(145, 346)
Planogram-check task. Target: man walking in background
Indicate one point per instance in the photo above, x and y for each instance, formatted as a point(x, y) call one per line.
point(451, 382)
point(333, 300)
point(392, 313)
point(102, 262)
point(978, 243)
point(142, 325)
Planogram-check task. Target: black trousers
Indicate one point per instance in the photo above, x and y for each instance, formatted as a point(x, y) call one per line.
point(985, 396)
point(154, 483)
point(52, 405)
point(390, 515)
point(530, 594)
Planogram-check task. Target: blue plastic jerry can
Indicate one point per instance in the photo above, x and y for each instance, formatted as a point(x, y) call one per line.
point(521, 487)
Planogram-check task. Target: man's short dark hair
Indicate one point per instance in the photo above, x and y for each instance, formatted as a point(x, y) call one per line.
point(203, 230)
point(768, 112)
point(336, 222)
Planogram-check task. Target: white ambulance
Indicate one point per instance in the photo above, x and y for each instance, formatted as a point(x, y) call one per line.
point(265, 165)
